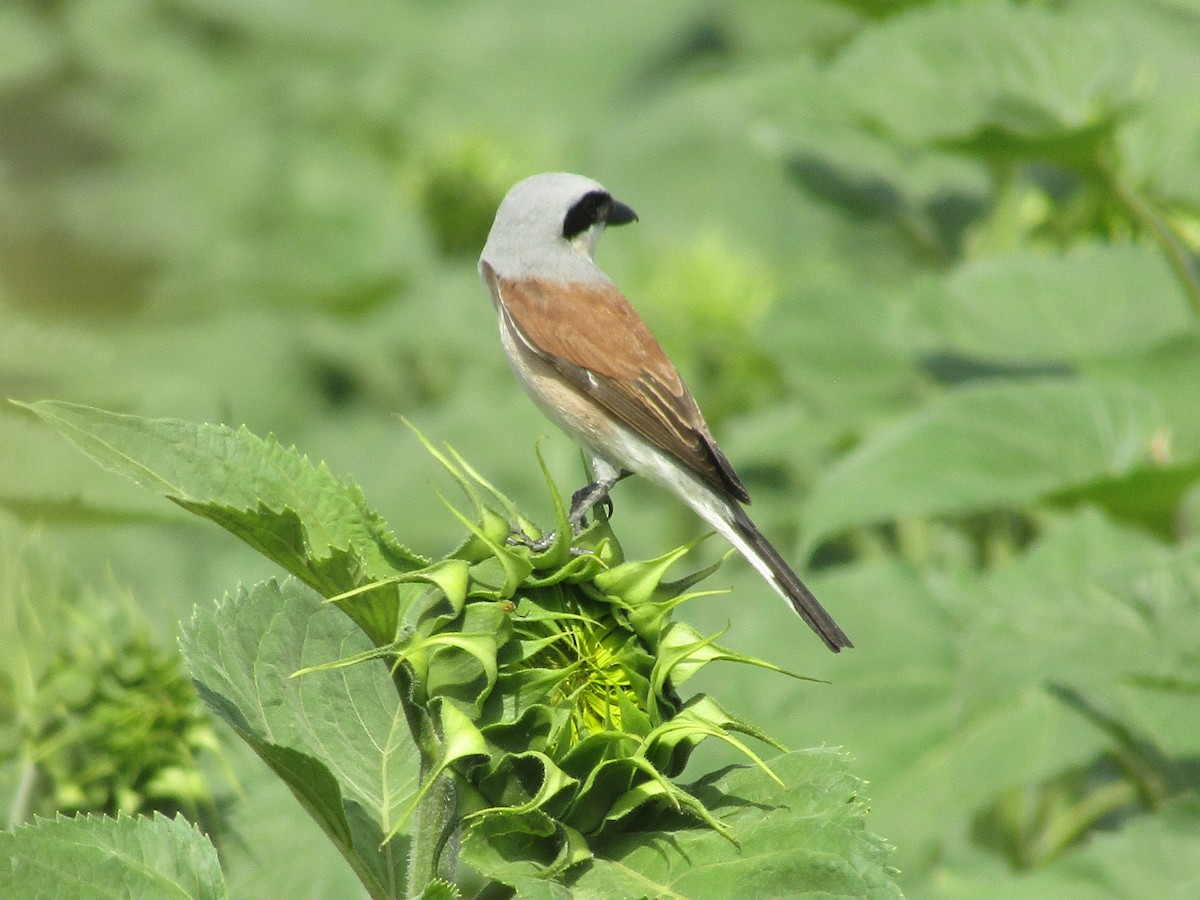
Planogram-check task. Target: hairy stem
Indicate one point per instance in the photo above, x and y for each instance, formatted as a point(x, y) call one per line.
point(433, 846)
point(433, 849)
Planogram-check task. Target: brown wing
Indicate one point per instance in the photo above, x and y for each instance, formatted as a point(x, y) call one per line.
point(593, 336)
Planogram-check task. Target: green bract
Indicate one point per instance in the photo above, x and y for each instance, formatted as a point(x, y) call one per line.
point(551, 678)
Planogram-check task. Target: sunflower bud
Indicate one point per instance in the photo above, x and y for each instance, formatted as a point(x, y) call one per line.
point(552, 681)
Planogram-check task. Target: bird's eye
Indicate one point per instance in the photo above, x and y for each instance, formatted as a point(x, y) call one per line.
point(588, 210)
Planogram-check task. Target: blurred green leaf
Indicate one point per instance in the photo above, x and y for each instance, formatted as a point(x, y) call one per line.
point(1160, 144)
point(984, 447)
point(1151, 856)
point(1151, 498)
point(1096, 299)
point(86, 857)
point(1167, 373)
point(28, 48)
point(1030, 72)
point(972, 660)
point(840, 355)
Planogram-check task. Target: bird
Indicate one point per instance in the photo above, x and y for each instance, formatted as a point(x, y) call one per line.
point(591, 365)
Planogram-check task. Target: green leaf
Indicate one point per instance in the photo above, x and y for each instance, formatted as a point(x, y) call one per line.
point(1033, 307)
point(214, 470)
point(969, 660)
point(55, 483)
point(683, 652)
point(1148, 856)
point(1152, 856)
point(89, 857)
point(461, 663)
point(987, 447)
point(299, 515)
point(540, 784)
point(1167, 373)
point(278, 851)
point(808, 839)
point(1161, 144)
point(1032, 72)
point(336, 737)
point(1150, 498)
point(29, 48)
point(836, 349)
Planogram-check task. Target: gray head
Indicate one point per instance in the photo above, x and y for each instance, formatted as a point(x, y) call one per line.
point(549, 224)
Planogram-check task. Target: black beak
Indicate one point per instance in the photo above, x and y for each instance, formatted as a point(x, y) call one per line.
point(619, 214)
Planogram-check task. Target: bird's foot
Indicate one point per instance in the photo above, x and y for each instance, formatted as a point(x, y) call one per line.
point(582, 501)
point(594, 494)
point(519, 538)
point(542, 544)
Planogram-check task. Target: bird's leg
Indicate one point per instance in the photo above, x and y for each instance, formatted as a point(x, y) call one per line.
point(588, 496)
point(607, 475)
point(582, 502)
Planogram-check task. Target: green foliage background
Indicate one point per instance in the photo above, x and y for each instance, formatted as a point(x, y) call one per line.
point(931, 269)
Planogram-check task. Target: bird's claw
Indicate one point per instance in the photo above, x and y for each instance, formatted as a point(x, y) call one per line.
point(595, 494)
point(537, 545)
point(542, 544)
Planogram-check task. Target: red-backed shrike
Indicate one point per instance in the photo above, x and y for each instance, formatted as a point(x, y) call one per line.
point(592, 366)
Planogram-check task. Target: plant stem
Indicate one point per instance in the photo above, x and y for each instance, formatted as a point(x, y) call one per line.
point(1145, 214)
point(18, 812)
point(1074, 822)
point(433, 852)
point(433, 849)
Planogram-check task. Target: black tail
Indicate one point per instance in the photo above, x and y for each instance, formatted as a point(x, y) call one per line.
point(789, 584)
